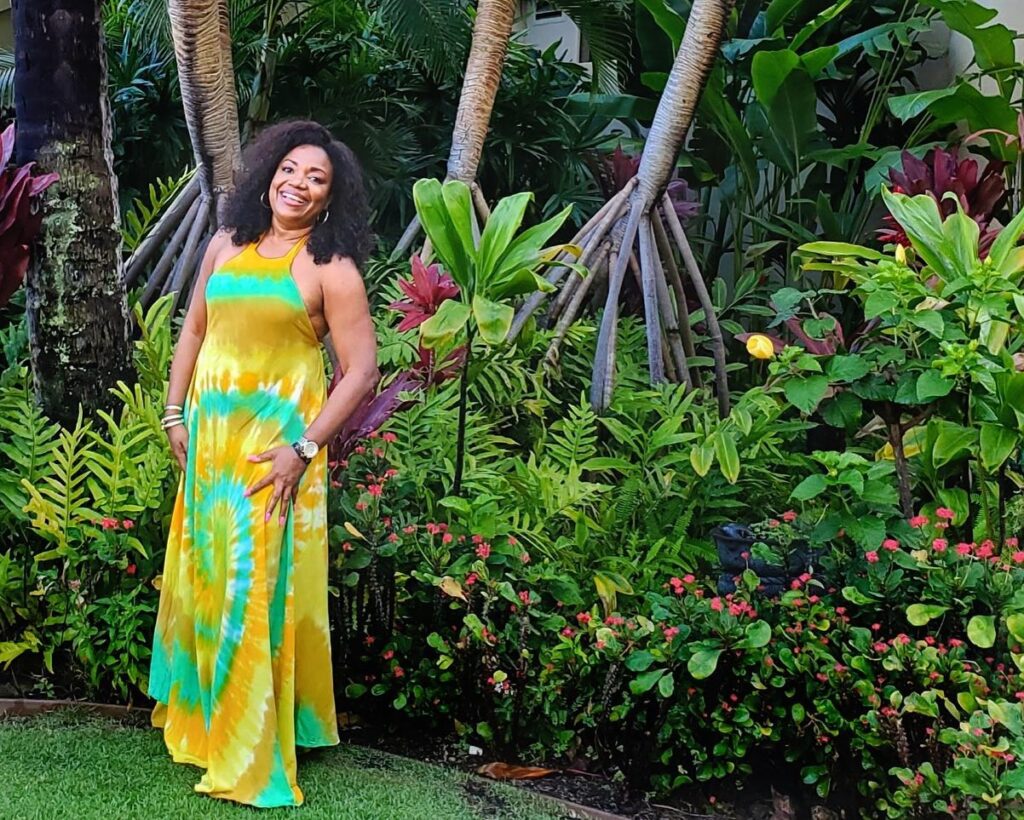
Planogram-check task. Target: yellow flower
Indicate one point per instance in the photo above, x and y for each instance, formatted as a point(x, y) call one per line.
point(901, 254)
point(760, 347)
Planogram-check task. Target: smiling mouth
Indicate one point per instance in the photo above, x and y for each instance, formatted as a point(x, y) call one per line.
point(292, 199)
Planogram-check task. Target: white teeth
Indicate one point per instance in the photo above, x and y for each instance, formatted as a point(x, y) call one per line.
point(291, 198)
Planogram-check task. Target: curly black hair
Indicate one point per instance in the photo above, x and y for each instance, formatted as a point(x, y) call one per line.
point(345, 233)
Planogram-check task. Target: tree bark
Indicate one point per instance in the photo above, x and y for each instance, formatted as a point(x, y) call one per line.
point(77, 309)
point(491, 34)
point(202, 45)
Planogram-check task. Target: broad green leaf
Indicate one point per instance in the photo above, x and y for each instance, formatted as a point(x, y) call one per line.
point(757, 634)
point(932, 385)
point(459, 201)
point(843, 410)
point(810, 487)
point(443, 326)
point(728, 457)
point(920, 614)
point(493, 318)
point(444, 236)
point(806, 393)
point(996, 444)
point(922, 222)
point(847, 368)
point(962, 234)
point(1015, 625)
point(908, 106)
point(702, 456)
point(1007, 241)
point(666, 685)
point(840, 249)
point(496, 239)
point(639, 661)
point(855, 596)
point(799, 712)
point(952, 442)
point(981, 630)
point(525, 250)
point(668, 20)
point(703, 663)
point(645, 682)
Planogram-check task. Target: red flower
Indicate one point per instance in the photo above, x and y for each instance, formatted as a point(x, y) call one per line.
point(425, 292)
point(891, 544)
point(447, 538)
point(375, 490)
point(390, 438)
point(986, 549)
point(524, 596)
point(398, 672)
point(1018, 557)
point(963, 549)
point(1012, 543)
point(393, 538)
point(583, 618)
point(689, 579)
point(773, 523)
point(360, 505)
point(716, 604)
point(671, 632)
point(599, 645)
point(128, 524)
point(131, 569)
point(512, 541)
point(471, 579)
point(109, 523)
point(568, 632)
point(409, 530)
point(871, 556)
point(789, 516)
point(525, 558)
point(940, 544)
point(945, 512)
point(389, 654)
point(483, 551)
point(919, 521)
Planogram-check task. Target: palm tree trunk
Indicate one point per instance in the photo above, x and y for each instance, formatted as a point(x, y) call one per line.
point(491, 34)
point(77, 308)
point(672, 120)
point(202, 44)
point(492, 31)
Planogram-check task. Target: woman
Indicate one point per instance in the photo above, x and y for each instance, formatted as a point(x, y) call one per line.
point(241, 668)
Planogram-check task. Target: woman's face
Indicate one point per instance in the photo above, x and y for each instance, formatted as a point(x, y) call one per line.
point(301, 187)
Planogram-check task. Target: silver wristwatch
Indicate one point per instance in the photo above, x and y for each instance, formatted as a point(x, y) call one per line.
point(306, 449)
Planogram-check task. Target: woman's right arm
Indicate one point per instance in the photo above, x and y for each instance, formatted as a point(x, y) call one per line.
point(186, 352)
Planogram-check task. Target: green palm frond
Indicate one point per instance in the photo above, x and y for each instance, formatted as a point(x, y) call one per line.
point(573, 439)
point(437, 32)
point(606, 26)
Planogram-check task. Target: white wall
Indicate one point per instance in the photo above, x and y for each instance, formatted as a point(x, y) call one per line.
point(1011, 15)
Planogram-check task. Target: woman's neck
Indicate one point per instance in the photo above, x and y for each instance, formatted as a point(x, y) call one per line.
point(280, 233)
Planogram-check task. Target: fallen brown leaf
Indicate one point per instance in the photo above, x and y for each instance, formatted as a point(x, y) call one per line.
point(506, 771)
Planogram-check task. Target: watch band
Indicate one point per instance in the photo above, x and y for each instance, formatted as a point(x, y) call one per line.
point(297, 447)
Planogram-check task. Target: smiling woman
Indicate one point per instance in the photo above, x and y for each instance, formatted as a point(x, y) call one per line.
point(241, 659)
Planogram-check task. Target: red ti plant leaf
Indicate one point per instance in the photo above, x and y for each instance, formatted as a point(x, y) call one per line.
point(622, 168)
point(20, 215)
point(979, 193)
point(425, 292)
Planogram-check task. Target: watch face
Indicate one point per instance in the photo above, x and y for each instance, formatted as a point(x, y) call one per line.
point(310, 448)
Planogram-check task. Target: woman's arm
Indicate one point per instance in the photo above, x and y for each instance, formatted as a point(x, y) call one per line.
point(348, 318)
point(190, 340)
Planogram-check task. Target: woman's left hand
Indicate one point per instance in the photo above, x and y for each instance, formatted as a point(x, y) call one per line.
point(285, 471)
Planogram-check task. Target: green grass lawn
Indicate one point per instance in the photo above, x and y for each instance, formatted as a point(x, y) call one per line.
point(71, 765)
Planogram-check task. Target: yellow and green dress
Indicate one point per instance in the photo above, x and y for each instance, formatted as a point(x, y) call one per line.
point(241, 667)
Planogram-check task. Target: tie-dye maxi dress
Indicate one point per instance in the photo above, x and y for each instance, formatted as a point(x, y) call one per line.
point(241, 663)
